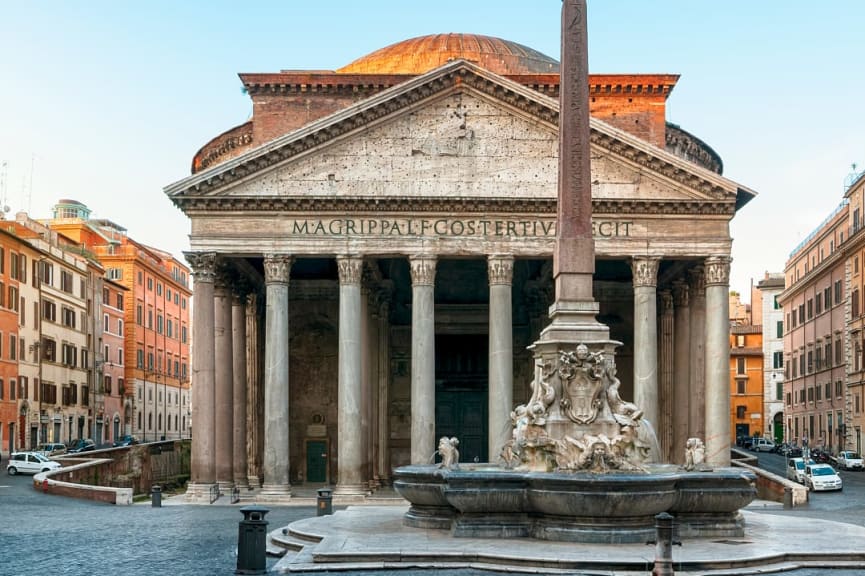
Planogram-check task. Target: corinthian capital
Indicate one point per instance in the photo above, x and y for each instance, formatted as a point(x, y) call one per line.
point(666, 297)
point(203, 265)
point(718, 270)
point(277, 268)
point(698, 281)
point(680, 293)
point(350, 269)
point(500, 269)
point(645, 270)
point(423, 270)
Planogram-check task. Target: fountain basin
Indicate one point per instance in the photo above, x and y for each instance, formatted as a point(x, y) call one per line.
point(486, 501)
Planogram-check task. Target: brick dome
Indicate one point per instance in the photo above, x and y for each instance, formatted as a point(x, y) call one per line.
point(421, 54)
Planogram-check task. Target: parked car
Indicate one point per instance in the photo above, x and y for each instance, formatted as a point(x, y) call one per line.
point(796, 470)
point(29, 463)
point(127, 440)
point(762, 445)
point(790, 451)
point(746, 442)
point(51, 449)
point(822, 477)
point(81, 445)
point(849, 460)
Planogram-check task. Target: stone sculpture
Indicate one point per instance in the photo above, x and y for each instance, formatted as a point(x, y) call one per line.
point(448, 451)
point(695, 454)
point(576, 420)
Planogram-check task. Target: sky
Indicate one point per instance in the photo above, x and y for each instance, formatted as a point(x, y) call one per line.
point(107, 101)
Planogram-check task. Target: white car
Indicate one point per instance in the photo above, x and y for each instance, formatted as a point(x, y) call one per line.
point(822, 477)
point(29, 463)
point(762, 445)
point(849, 460)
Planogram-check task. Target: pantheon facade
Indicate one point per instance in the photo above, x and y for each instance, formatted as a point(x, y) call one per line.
point(372, 254)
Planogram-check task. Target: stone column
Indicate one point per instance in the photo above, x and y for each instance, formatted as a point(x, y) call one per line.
point(681, 369)
point(239, 385)
point(383, 359)
point(500, 399)
point(718, 360)
point(349, 438)
point(224, 383)
point(275, 467)
point(665, 426)
point(423, 367)
point(255, 391)
point(203, 456)
point(697, 297)
point(645, 273)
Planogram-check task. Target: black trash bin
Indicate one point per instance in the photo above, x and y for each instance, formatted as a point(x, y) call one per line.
point(252, 541)
point(325, 502)
point(156, 496)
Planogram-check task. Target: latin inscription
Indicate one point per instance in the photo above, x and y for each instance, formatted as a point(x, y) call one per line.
point(448, 227)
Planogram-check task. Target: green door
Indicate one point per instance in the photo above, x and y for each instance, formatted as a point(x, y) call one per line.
point(461, 393)
point(316, 461)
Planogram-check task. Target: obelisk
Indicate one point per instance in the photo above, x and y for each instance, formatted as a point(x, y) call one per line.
point(573, 314)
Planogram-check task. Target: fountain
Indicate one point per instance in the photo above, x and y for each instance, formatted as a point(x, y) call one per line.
point(582, 464)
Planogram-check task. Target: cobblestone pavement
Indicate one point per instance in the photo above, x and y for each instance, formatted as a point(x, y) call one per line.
point(51, 535)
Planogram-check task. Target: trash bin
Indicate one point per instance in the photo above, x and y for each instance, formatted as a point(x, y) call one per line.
point(156, 496)
point(325, 502)
point(252, 541)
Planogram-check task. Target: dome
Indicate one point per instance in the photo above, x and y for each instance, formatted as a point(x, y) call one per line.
point(421, 54)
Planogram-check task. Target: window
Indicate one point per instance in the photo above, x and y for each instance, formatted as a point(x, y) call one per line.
point(150, 361)
point(150, 319)
point(85, 358)
point(740, 386)
point(49, 311)
point(828, 390)
point(120, 327)
point(159, 289)
point(801, 313)
point(13, 347)
point(120, 356)
point(107, 384)
point(106, 297)
point(46, 272)
point(817, 390)
point(810, 308)
point(120, 301)
point(810, 361)
point(14, 266)
point(70, 355)
point(838, 294)
point(140, 276)
point(66, 281)
point(68, 316)
point(779, 329)
point(49, 350)
point(818, 302)
point(854, 302)
point(159, 322)
point(114, 274)
point(183, 334)
point(139, 358)
point(105, 325)
point(740, 366)
point(150, 284)
point(740, 412)
point(838, 389)
point(838, 351)
point(138, 314)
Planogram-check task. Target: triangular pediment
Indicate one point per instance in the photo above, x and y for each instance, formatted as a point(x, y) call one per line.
point(456, 132)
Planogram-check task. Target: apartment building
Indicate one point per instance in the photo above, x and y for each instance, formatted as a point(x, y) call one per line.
point(772, 321)
point(814, 304)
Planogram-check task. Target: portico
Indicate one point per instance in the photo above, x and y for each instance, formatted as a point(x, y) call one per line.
point(391, 262)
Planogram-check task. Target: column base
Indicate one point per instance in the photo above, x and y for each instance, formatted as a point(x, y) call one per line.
point(242, 483)
point(201, 493)
point(225, 486)
point(351, 490)
point(275, 492)
point(254, 481)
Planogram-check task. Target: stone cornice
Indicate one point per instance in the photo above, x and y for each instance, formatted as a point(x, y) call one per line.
point(462, 205)
point(454, 75)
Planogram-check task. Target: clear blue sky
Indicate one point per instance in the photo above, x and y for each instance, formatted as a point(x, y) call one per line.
point(108, 100)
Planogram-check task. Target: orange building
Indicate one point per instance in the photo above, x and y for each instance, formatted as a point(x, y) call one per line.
point(10, 268)
point(156, 322)
point(746, 381)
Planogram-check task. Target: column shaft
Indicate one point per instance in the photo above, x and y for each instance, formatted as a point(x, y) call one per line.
point(275, 467)
point(697, 293)
point(203, 463)
point(665, 425)
point(645, 272)
point(718, 360)
point(422, 359)
point(383, 383)
point(681, 370)
point(254, 390)
point(238, 348)
point(350, 432)
point(224, 384)
point(500, 399)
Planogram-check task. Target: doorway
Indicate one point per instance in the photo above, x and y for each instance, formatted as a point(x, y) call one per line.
point(316, 461)
point(461, 392)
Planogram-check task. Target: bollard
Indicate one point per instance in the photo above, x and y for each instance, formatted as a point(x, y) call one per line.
point(252, 541)
point(325, 502)
point(663, 545)
point(788, 497)
point(156, 497)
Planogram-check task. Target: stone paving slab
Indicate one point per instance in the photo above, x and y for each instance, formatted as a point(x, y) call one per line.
point(373, 538)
